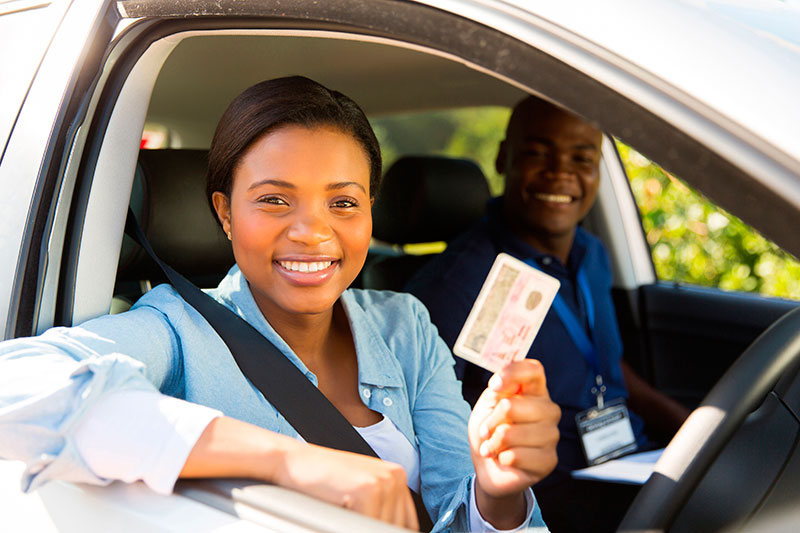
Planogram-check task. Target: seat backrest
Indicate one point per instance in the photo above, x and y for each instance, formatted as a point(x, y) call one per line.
point(170, 204)
point(422, 199)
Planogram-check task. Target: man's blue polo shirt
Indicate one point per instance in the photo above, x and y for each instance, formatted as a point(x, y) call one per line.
point(449, 284)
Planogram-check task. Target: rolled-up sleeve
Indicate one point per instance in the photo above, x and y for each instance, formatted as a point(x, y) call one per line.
point(49, 382)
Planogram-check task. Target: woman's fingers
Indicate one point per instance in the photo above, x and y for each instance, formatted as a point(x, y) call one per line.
point(536, 462)
point(514, 429)
point(364, 484)
point(536, 435)
point(520, 377)
point(406, 513)
point(520, 410)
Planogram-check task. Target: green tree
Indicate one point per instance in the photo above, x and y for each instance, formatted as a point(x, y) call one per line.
point(694, 241)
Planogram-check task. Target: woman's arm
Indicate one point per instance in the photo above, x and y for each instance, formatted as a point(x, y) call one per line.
point(231, 448)
point(448, 457)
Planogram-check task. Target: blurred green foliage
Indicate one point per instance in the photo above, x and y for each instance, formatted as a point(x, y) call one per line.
point(692, 241)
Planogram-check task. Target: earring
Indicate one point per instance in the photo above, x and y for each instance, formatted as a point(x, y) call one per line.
point(229, 236)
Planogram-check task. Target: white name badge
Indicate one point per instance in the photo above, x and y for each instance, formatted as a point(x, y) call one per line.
point(605, 433)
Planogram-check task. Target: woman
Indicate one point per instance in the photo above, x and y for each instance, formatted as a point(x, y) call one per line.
point(293, 170)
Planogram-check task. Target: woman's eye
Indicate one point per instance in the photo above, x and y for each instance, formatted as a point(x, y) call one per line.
point(272, 200)
point(344, 203)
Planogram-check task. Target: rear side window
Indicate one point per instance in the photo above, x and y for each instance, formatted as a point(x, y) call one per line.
point(473, 133)
point(693, 241)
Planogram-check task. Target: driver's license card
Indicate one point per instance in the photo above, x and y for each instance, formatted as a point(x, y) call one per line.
point(507, 314)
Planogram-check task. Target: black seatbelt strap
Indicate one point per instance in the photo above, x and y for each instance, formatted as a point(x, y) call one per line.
point(302, 404)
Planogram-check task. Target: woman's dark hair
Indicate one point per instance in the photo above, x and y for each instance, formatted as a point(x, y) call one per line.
point(271, 104)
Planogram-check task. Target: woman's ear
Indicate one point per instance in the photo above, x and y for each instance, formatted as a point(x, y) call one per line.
point(222, 205)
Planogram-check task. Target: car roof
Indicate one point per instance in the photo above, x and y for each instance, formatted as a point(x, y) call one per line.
point(747, 72)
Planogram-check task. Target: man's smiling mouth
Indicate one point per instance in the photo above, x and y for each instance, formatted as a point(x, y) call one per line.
point(554, 198)
point(305, 266)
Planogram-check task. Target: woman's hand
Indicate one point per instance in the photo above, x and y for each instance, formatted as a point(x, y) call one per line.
point(513, 432)
point(364, 484)
point(232, 448)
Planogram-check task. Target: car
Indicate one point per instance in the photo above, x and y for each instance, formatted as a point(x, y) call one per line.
point(706, 89)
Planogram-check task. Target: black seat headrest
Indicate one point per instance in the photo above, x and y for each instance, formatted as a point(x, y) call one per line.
point(428, 199)
point(170, 204)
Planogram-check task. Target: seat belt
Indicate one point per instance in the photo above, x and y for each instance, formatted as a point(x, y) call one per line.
point(301, 403)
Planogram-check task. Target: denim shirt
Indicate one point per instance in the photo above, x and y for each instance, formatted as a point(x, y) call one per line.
point(405, 372)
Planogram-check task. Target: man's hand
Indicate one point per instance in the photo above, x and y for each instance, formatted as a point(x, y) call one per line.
point(513, 432)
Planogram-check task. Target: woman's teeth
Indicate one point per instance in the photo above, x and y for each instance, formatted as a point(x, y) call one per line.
point(303, 266)
point(555, 198)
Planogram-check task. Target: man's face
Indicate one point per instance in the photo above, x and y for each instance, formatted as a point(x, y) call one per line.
point(551, 160)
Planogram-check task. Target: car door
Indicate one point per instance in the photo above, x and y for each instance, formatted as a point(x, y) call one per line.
point(70, 160)
point(679, 334)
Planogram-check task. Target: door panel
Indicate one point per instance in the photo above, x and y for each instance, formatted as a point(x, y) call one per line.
point(686, 337)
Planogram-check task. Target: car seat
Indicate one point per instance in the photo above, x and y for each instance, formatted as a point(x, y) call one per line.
point(169, 201)
point(423, 199)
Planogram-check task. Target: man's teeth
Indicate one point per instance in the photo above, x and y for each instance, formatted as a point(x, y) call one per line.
point(555, 198)
point(303, 266)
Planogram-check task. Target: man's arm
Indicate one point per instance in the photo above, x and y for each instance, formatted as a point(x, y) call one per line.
point(661, 414)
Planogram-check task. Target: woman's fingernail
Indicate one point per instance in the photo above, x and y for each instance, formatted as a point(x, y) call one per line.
point(484, 449)
point(484, 431)
point(505, 458)
point(495, 382)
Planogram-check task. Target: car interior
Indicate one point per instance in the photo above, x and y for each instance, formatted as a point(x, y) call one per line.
point(681, 338)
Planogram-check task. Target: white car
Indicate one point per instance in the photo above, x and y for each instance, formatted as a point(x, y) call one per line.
point(707, 89)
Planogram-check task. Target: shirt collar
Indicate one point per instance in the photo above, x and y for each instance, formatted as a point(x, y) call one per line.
point(374, 356)
point(510, 243)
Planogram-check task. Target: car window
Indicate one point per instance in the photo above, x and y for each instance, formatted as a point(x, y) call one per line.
point(472, 132)
point(693, 241)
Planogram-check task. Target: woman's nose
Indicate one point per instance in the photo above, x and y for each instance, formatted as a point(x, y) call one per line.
point(310, 228)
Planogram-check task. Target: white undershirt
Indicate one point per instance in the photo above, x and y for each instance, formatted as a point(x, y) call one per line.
point(391, 445)
point(143, 435)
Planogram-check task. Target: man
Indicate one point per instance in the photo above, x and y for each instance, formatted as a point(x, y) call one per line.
point(550, 159)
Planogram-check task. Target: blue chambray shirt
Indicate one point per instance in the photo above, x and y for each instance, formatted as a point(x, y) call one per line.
point(405, 373)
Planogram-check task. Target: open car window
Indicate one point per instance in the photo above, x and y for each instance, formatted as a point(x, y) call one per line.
point(695, 242)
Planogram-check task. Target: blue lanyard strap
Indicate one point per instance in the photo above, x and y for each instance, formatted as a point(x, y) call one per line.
point(571, 322)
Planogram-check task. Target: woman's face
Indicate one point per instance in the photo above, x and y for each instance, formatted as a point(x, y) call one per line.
point(299, 217)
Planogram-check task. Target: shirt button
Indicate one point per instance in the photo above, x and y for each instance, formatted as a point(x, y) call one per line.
point(387, 402)
point(367, 393)
point(547, 260)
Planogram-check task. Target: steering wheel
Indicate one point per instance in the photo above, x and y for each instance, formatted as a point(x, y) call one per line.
point(774, 355)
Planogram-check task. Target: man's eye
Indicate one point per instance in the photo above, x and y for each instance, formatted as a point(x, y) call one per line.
point(535, 153)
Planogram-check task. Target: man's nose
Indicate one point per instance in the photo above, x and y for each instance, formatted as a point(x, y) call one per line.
point(559, 166)
point(310, 227)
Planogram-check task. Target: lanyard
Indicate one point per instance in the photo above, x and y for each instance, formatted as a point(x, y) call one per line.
point(576, 331)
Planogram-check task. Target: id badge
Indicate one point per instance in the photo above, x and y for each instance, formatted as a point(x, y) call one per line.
point(605, 433)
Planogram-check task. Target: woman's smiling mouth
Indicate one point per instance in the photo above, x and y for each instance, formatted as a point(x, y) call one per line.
point(306, 272)
point(305, 266)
